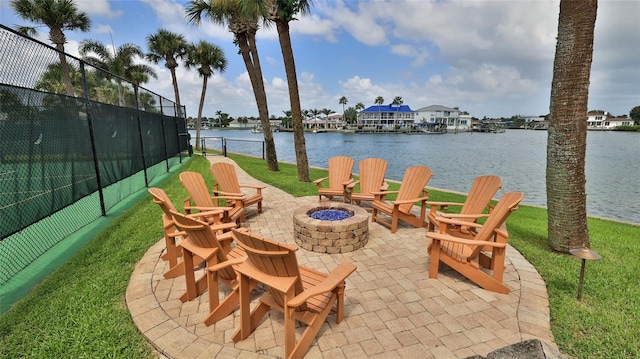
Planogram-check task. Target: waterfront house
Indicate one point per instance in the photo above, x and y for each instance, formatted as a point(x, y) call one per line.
point(453, 118)
point(243, 123)
point(385, 118)
point(602, 120)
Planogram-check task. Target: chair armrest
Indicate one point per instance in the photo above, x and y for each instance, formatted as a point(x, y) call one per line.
point(469, 242)
point(223, 226)
point(206, 211)
point(460, 215)
point(384, 186)
point(228, 195)
point(443, 204)
point(252, 186)
point(353, 184)
point(228, 263)
point(346, 183)
point(177, 234)
point(379, 196)
point(457, 222)
point(202, 252)
point(335, 278)
point(413, 200)
point(317, 182)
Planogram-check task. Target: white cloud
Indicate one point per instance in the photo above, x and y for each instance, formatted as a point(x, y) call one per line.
point(100, 8)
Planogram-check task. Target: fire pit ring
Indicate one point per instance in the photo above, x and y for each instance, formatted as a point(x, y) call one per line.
point(331, 236)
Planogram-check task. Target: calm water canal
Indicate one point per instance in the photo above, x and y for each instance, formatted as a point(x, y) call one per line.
point(517, 156)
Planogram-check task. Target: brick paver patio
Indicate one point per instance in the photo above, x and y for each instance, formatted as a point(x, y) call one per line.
point(392, 307)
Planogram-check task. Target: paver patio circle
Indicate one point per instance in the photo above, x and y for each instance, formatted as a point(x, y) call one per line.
point(392, 308)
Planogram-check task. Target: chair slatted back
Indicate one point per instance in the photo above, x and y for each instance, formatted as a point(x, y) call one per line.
point(226, 178)
point(372, 171)
point(482, 191)
point(507, 204)
point(201, 235)
point(272, 258)
point(340, 170)
point(160, 198)
point(194, 183)
point(413, 184)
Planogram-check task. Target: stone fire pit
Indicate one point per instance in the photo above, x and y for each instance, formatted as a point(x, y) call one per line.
point(326, 236)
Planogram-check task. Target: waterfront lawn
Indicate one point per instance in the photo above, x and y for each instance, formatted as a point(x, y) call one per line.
point(79, 310)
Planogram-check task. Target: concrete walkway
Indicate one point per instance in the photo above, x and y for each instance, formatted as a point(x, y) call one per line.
point(392, 307)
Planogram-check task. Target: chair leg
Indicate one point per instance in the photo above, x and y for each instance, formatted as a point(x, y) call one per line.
point(249, 320)
point(304, 342)
point(434, 258)
point(227, 306)
point(189, 276)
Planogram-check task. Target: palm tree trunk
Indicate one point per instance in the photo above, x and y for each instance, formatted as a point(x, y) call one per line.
point(66, 78)
point(294, 98)
point(205, 79)
point(174, 80)
point(567, 134)
point(249, 51)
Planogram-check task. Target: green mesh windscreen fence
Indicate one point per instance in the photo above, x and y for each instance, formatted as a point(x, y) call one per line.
point(71, 150)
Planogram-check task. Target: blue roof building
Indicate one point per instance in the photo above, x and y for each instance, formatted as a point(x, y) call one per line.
point(385, 117)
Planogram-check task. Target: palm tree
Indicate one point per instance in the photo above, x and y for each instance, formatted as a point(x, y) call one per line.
point(327, 111)
point(206, 57)
point(359, 107)
point(119, 63)
point(57, 15)
point(244, 27)
point(281, 12)
point(168, 46)
point(567, 134)
point(343, 101)
point(397, 101)
point(379, 101)
point(50, 80)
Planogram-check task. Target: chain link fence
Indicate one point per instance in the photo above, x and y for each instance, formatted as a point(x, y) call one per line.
point(73, 144)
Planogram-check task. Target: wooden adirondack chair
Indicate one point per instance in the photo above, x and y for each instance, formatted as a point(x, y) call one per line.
point(469, 256)
point(199, 195)
point(372, 172)
point(301, 293)
point(340, 172)
point(210, 243)
point(227, 185)
point(171, 233)
point(412, 190)
point(478, 200)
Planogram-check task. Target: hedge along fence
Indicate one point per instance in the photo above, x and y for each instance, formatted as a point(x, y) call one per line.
point(68, 155)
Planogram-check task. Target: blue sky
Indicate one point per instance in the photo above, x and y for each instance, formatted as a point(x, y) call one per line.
point(490, 58)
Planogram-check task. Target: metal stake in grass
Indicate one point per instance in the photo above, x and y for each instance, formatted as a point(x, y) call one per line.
point(585, 254)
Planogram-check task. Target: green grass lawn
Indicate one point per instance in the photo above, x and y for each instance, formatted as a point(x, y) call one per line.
point(79, 310)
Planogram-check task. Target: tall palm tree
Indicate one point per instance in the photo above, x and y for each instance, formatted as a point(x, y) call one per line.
point(57, 15)
point(207, 57)
point(359, 107)
point(379, 101)
point(281, 12)
point(244, 27)
point(397, 101)
point(567, 134)
point(168, 46)
point(343, 101)
point(119, 63)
